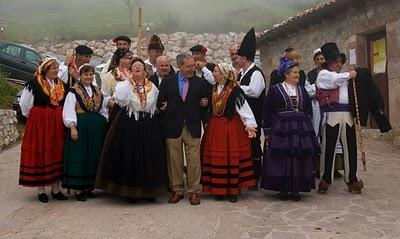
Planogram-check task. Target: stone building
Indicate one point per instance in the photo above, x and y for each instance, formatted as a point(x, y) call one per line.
point(367, 31)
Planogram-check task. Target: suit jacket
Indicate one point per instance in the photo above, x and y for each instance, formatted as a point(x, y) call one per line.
point(179, 112)
point(154, 77)
point(369, 99)
point(312, 76)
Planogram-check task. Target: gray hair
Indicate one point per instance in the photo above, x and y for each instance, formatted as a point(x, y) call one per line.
point(180, 58)
point(160, 58)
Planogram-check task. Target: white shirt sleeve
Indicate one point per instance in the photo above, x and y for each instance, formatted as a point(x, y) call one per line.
point(311, 89)
point(63, 73)
point(123, 93)
point(104, 110)
point(26, 101)
point(105, 68)
point(208, 75)
point(256, 85)
point(331, 80)
point(69, 113)
point(246, 115)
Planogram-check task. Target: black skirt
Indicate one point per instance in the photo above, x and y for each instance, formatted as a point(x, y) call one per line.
point(133, 162)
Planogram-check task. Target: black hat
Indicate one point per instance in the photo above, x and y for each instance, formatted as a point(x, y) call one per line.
point(122, 38)
point(83, 50)
point(330, 51)
point(155, 43)
point(198, 48)
point(248, 46)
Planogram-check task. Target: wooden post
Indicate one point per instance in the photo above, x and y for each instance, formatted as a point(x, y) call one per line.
point(358, 127)
point(139, 38)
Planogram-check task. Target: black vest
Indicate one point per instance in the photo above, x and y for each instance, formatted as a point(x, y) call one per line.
point(40, 98)
point(256, 104)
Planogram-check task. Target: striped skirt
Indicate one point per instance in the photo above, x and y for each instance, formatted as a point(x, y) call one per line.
point(226, 157)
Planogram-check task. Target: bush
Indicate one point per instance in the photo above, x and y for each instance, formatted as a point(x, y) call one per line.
point(7, 93)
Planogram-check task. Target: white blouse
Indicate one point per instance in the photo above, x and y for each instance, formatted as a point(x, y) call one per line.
point(27, 99)
point(331, 80)
point(125, 96)
point(256, 85)
point(69, 109)
point(245, 113)
point(291, 90)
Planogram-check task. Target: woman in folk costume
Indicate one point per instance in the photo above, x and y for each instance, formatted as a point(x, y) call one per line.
point(226, 148)
point(288, 161)
point(85, 114)
point(133, 161)
point(42, 145)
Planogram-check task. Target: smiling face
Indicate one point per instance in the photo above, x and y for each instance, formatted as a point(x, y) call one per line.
point(319, 59)
point(218, 76)
point(187, 67)
point(52, 72)
point(138, 70)
point(123, 44)
point(126, 60)
point(87, 78)
point(292, 75)
point(163, 66)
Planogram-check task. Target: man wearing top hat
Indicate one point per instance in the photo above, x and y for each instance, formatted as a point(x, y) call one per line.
point(252, 82)
point(69, 71)
point(121, 42)
point(338, 123)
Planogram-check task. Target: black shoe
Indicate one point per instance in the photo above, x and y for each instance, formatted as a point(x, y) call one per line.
point(43, 198)
point(59, 196)
point(284, 196)
point(90, 194)
point(296, 197)
point(81, 197)
point(150, 199)
point(219, 197)
point(233, 199)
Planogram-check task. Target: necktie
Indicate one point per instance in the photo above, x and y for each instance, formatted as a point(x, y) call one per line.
point(185, 89)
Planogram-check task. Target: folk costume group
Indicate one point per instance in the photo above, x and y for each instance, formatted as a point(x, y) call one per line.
point(150, 129)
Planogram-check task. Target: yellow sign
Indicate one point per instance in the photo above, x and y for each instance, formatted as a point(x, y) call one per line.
point(379, 56)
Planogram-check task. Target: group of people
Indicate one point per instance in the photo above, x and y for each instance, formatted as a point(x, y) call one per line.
point(150, 129)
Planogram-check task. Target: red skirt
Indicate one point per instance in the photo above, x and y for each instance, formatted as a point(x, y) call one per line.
point(42, 147)
point(226, 157)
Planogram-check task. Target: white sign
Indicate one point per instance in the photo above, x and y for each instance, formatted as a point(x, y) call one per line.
point(353, 57)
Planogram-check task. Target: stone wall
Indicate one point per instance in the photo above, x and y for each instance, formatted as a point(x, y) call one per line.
point(218, 45)
point(8, 131)
point(349, 30)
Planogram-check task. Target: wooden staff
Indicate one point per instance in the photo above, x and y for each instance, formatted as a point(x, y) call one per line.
point(358, 127)
point(139, 39)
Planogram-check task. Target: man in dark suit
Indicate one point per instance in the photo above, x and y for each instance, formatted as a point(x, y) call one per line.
point(182, 98)
point(164, 70)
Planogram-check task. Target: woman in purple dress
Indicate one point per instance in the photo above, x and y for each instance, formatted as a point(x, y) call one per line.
point(288, 161)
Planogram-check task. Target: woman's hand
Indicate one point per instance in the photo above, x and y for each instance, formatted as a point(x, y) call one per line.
point(252, 132)
point(74, 133)
point(353, 74)
point(126, 74)
point(110, 103)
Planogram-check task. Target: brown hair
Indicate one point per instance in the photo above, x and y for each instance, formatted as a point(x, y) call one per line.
point(86, 68)
point(293, 55)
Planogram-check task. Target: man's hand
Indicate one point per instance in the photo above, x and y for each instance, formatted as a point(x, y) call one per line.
point(164, 106)
point(74, 133)
point(203, 102)
point(353, 74)
point(200, 64)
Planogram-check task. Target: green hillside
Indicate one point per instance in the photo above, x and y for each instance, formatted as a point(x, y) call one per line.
point(47, 20)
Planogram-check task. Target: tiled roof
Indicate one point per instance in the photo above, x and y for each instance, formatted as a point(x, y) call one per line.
point(321, 10)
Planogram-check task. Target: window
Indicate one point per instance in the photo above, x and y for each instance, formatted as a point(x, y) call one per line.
point(12, 50)
point(31, 56)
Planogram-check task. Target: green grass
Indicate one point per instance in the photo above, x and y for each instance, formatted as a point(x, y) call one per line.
point(7, 93)
point(54, 20)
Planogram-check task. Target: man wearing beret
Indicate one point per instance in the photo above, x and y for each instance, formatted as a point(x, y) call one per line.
point(69, 71)
point(121, 42)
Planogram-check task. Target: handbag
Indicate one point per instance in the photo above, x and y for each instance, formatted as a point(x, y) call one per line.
point(327, 97)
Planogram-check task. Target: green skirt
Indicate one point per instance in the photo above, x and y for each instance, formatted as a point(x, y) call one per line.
point(81, 157)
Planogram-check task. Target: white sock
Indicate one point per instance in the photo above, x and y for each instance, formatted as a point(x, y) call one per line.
point(56, 187)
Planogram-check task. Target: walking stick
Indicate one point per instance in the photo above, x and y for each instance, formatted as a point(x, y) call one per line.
point(358, 127)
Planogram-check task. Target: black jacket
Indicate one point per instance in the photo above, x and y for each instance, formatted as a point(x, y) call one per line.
point(369, 100)
point(181, 112)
